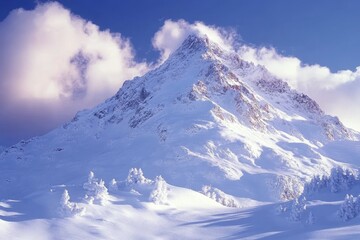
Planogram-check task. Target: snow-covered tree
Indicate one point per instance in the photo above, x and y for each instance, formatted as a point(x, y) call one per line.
point(348, 209)
point(357, 205)
point(68, 208)
point(136, 176)
point(96, 191)
point(219, 196)
point(297, 209)
point(311, 219)
point(160, 192)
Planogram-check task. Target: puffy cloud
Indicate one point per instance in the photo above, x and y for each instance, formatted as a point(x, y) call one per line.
point(337, 93)
point(173, 33)
point(52, 64)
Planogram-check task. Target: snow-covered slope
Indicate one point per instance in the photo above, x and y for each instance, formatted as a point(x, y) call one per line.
point(204, 117)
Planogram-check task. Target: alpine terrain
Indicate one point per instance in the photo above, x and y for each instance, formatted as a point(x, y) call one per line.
point(205, 146)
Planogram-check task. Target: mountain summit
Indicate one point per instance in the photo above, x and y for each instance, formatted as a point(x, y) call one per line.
point(204, 117)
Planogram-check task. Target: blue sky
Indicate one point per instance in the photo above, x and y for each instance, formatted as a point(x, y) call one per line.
point(322, 31)
point(48, 71)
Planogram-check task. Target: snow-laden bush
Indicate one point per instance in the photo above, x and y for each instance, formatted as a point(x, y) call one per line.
point(96, 192)
point(297, 209)
point(136, 176)
point(67, 208)
point(349, 208)
point(340, 179)
point(160, 192)
point(219, 196)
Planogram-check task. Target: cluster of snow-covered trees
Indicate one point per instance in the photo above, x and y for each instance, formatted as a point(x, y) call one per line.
point(219, 196)
point(340, 179)
point(136, 176)
point(297, 211)
point(97, 193)
point(350, 208)
point(158, 188)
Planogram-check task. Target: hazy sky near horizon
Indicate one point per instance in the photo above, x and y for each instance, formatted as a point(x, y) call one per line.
point(49, 54)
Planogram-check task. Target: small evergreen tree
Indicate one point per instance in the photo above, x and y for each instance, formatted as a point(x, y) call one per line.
point(311, 219)
point(298, 208)
point(160, 192)
point(68, 208)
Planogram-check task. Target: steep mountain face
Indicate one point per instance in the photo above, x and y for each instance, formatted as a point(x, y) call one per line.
point(204, 117)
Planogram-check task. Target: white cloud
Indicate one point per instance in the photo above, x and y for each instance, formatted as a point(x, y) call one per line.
point(337, 93)
point(52, 64)
point(173, 33)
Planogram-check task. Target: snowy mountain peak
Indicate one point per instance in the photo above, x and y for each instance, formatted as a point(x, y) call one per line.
point(201, 71)
point(194, 43)
point(204, 117)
